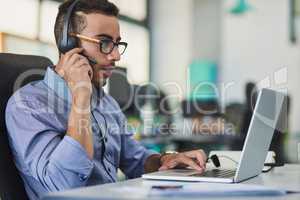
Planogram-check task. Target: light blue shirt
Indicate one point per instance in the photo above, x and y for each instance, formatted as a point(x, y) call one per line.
point(48, 160)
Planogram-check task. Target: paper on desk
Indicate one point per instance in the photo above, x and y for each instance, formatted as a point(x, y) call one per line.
point(218, 190)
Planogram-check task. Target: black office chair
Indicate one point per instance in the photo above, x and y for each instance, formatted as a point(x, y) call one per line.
point(11, 68)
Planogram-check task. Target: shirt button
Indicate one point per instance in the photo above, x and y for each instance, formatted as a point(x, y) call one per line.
point(108, 169)
point(82, 177)
point(105, 139)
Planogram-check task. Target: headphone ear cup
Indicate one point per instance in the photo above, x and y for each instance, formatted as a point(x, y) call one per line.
point(72, 43)
point(68, 44)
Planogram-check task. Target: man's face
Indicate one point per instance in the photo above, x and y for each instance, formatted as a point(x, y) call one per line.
point(101, 26)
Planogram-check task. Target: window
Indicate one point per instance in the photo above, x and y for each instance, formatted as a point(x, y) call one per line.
point(19, 17)
point(48, 14)
point(33, 20)
point(1, 42)
point(136, 9)
point(136, 58)
point(135, 31)
point(20, 45)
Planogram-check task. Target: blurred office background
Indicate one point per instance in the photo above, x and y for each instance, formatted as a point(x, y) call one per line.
point(237, 45)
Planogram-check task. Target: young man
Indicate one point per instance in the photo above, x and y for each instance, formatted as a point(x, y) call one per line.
point(64, 131)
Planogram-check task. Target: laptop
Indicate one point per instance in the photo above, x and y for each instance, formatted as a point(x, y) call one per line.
point(264, 120)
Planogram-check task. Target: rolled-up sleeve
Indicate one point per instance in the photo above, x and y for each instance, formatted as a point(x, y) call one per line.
point(41, 151)
point(133, 154)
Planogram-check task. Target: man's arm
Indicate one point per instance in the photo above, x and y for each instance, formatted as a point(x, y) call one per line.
point(79, 125)
point(56, 161)
point(132, 155)
point(136, 160)
point(77, 73)
point(152, 163)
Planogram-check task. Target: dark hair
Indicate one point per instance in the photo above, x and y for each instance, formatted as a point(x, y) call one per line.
point(78, 22)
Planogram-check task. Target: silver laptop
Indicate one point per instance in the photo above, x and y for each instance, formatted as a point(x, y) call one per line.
point(265, 117)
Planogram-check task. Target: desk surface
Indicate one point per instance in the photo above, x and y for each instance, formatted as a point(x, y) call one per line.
point(287, 177)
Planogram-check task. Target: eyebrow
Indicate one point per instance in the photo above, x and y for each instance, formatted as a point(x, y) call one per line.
point(108, 36)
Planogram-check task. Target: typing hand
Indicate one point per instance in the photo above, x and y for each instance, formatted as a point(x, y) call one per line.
point(194, 159)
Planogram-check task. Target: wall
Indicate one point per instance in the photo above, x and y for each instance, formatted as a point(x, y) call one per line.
point(255, 46)
point(251, 47)
point(207, 29)
point(179, 34)
point(171, 30)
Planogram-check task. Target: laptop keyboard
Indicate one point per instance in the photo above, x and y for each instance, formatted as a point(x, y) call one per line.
point(220, 173)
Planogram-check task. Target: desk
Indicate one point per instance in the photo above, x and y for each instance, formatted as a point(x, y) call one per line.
point(287, 177)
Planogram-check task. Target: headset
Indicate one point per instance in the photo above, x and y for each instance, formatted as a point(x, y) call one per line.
point(68, 42)
point(215, 160)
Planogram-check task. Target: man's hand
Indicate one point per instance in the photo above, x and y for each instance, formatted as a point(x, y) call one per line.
point(77, 72)
point(194, 159)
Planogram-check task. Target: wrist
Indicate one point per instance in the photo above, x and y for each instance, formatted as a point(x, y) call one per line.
point(164, 155)
point(80, 90)
point(81, 102)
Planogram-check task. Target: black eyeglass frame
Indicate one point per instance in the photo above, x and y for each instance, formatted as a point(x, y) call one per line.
point(100, 42)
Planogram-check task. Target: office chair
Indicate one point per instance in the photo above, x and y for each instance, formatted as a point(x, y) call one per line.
point(120, 89)
point(160, 105)
point(11, 67)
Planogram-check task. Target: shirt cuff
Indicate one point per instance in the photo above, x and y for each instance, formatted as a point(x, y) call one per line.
point(148, 153)
point(71, 156)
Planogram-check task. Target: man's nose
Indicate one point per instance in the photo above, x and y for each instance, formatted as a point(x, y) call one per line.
point(115, 54)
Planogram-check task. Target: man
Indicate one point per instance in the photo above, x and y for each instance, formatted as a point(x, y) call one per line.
point(64, 131)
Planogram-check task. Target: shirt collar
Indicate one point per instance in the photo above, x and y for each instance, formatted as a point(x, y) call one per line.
point(60, 87)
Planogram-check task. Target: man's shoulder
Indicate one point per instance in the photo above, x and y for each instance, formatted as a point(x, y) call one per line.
point(111, 104)
point(111, 101)
point(111, 107)
point(33, 95)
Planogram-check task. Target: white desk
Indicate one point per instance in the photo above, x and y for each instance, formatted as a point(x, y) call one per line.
point(287, 177)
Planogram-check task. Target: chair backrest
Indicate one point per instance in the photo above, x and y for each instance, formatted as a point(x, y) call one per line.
point(14, 70)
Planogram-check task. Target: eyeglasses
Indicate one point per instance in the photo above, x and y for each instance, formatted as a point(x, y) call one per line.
point(106, 45)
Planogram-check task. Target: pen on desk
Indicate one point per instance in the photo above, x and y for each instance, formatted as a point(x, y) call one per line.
point(166, 187)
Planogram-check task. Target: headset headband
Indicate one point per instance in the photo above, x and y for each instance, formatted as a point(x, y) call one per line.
point(65, 36)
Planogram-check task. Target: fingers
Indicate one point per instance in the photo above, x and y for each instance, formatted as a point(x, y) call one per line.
point(199, 156)
point(80, 62)
point(81, 68)
point(73, 59)
point(76, 58)
point(85, 64)
point(191, 163)
point(89, 70)
point(194, 159)
point(65, 63)
point(204, 156)
point(168, 165)
point(71, 52)
point(180, 159)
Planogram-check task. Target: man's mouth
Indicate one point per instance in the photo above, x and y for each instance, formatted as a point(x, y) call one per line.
point(107, 70)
